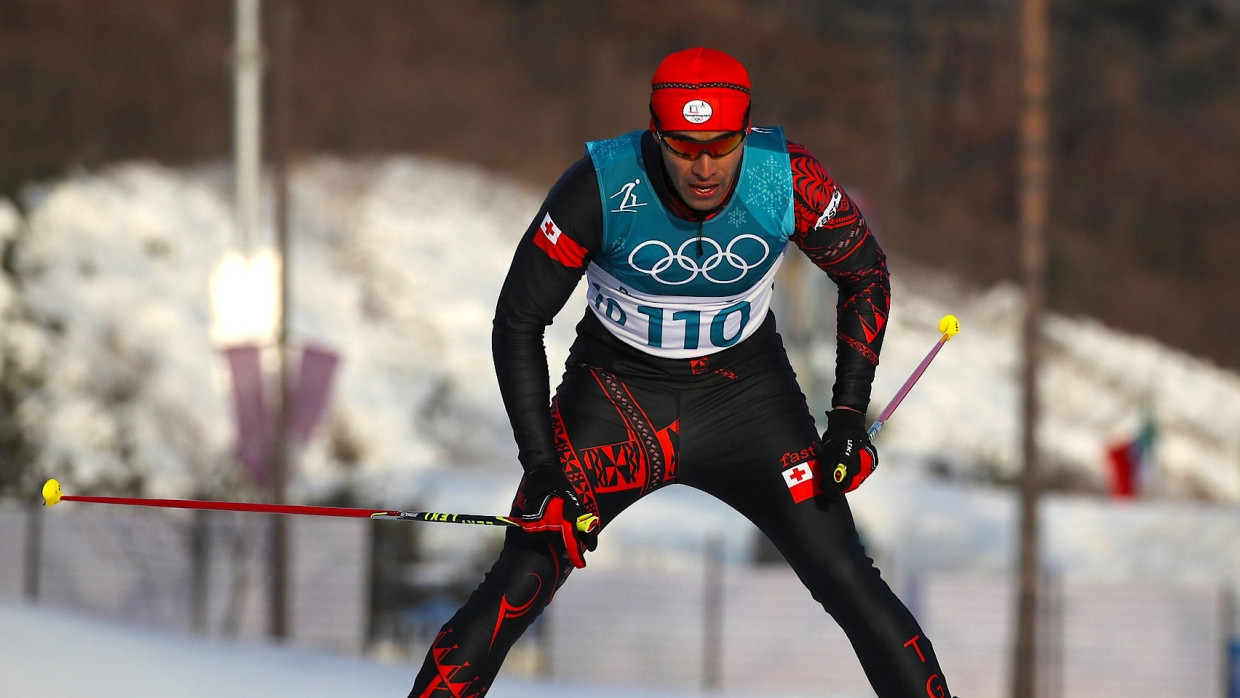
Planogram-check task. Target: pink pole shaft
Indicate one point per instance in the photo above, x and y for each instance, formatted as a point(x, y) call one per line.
point(908, 384)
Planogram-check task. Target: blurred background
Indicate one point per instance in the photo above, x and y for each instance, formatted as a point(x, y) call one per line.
point(912, 103)
point(149, 327)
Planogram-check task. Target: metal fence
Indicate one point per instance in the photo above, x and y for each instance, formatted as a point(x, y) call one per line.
point(1118, 640)
point(735, 628)
point(195, 571)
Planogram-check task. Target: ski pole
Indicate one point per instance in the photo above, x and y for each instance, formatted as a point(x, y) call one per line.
point(949, 326)
point(52, 495)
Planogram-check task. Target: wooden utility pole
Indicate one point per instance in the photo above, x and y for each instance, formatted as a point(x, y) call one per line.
point(281, 75)
point(247, 119)
point(248, 149)
point(1034, 130)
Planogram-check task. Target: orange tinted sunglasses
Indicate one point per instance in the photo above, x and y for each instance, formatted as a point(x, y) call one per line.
point(691, 149)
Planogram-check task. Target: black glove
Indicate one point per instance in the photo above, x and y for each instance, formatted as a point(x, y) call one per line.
point(846, 456)
point(549, 507)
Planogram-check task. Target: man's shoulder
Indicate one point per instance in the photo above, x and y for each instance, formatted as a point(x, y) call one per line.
point(807, 165)
point(796, 149)
point(579, 178)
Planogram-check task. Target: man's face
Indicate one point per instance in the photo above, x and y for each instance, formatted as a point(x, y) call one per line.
point(704, 181)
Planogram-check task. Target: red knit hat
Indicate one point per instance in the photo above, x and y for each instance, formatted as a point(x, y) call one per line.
point(699, 89)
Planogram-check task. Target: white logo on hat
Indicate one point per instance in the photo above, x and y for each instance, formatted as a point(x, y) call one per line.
point(697, 111)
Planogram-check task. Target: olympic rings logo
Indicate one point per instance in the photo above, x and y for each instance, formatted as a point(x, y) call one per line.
point(734, 263)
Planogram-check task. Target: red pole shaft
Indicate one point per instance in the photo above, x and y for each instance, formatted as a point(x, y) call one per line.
point(255, 507)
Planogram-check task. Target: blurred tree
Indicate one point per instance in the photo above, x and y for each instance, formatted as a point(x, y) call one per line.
point(22, 376)
point(911, 104)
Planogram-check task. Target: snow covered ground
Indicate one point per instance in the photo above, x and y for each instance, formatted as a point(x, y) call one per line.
point(55, 654)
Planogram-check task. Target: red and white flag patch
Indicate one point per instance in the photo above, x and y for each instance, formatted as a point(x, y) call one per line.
point(557, 245)
point(800, 480)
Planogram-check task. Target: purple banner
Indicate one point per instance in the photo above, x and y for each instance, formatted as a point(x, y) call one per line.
point(313, 385)
point(253, 420)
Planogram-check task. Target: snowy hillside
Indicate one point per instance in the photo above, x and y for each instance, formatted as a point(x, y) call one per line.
point(396, 266)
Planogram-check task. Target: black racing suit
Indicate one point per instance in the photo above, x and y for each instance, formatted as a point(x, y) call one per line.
point(624, 423)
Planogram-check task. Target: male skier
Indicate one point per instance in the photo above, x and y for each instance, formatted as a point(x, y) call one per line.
point(678, 375)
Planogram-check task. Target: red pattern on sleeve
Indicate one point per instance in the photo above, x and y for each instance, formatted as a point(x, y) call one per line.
point(833, 234)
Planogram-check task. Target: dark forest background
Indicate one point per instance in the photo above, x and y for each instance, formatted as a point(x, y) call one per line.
point(912, 104)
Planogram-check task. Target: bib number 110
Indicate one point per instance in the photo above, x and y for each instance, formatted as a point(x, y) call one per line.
point(684, 327)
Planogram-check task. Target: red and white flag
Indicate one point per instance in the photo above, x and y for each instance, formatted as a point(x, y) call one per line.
point(800, 480)
point(557, 245)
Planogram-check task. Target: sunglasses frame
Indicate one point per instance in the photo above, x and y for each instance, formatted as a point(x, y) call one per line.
point(702, 146)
